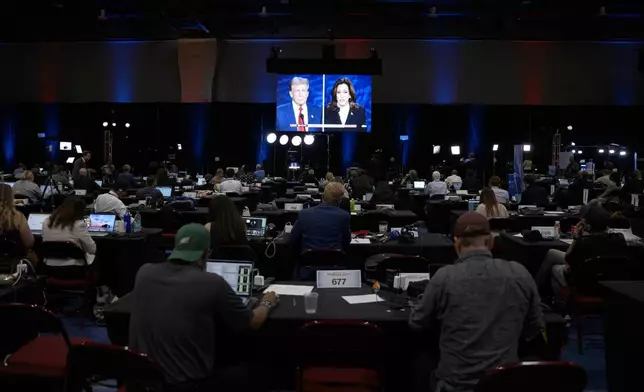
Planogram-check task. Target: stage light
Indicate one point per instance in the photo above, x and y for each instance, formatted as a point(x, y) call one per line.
point(283, 140)
point(572, 144)
point(456, 150)
point(570, 127)
point(113, 124)
point(495, 147)
point(622, 153)
point(127, 125)
point(579, 152)
point(437, 150)
point(526, 148)
point(105, 124)
point(309, 139)
point(179, 146)
point(70, 160)
point(611, 151)
point(601, 151)
point(296, 141)
point(79, 149)
point(271, 138)
point(574, 151)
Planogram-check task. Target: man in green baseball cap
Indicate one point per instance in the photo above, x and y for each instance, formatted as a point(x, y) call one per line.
point(176, 308)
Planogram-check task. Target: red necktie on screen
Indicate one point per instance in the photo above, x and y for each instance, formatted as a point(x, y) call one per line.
point(300, 121)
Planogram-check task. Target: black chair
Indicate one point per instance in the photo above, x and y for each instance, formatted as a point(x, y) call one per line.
point(339, 355)
point(61, 286)
point(534, 377)
point(401, 263)
point(90, 362)
point(501, 224)
point(233, 194)
point(34, 361)
point(10, 253)
point(312, 260)
point(437, 197)
point(233, 252)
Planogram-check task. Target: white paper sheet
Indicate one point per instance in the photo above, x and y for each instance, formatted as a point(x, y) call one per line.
point(519, 235)
point(286, 289)
point(363, 241)
point(567, 240)
point(362, 299)
point(553, 212)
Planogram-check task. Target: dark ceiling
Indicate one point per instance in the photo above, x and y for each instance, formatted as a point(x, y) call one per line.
point(74, 20)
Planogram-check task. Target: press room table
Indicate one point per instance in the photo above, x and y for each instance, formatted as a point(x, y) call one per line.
point(530, 254)
point(623, 318)
point(436, 248)
point(277, 345)
point(518, 223)
point(119, 257)
point(367, 220)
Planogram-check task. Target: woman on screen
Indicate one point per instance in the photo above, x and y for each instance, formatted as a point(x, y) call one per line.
point(343, 109)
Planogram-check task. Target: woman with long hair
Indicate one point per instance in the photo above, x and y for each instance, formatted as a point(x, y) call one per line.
point(489, 207)
point(226, 226)
point(13, 224)
point(343, 110)
point(67, 224)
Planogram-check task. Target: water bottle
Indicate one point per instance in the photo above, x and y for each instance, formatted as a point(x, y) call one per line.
point(136, 227)
point(557, 230)
point(127, 220)
point(352, 205)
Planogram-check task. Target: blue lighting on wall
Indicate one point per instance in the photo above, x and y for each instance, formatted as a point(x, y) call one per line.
point(198, 122)
point(263, 146)
point(477, 114)
point(121, 79)
point(8, 137)
point(348, 148)
point(52, 129)
point(444, 58)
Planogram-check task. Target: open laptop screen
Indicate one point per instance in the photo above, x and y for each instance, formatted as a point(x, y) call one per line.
point(35, 221)
point(255, 227)
point(238, 274)
point(166, 191)
point(102, 222)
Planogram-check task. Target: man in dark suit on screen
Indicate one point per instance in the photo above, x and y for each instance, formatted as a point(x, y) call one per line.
point(297, 114)
point(325, 226)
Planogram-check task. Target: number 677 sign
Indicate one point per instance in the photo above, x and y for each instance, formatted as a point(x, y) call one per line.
point(339, 279)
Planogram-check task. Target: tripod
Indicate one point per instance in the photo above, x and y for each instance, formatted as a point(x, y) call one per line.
point(52, 186)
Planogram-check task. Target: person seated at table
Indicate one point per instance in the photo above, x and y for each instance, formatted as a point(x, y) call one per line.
point(60, 176)
point(218, 178)
point(502, 196)
point(489, 207)
point(164, 179)
point(605, 179)
point(436, 188)
point(84, 182)
point(230, 184)
point(27, 187)
point(13, 224)
point(534, 194)
point(470, 182)
point(110, 202)
point(259, 173)
point(178, 311)
point(327, 179)
point(361, 184)
point(591, 239)
point(410, 178)
point(383, 194)
point(454, 180)
point(634, 183)
point(67, 224)
point(19, 171)
point(482, 306)
point(309, 178)
point(225, 224)
point(324, 226)
point(126, 178)
point(149, 191)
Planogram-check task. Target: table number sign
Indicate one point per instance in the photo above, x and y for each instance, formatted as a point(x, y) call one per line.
point(293, 206)
point(339, 279)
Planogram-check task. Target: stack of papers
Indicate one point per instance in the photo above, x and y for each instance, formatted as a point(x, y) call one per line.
point(362, 299)
point(287, 289)
point(360, 241)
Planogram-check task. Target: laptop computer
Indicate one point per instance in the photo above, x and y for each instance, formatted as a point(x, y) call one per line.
point(255, 227)
point(101, 224)
point(238, 274)
point(419, 184)
point(166, 191)
point(35, 222)
point(99, 182)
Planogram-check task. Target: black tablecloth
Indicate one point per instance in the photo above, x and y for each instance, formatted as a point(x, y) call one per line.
point(25, 291)
point(367, 220)
point(119, 257)
point(518, 223)
point(276, 339)
point(437, 248)
point(530, 254)
point(438, 214)
point(623, 318)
